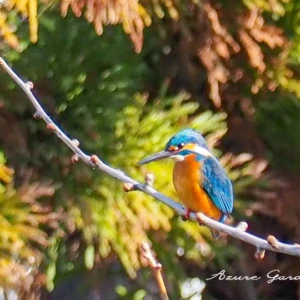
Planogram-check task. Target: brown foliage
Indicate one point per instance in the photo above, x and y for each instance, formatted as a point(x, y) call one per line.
point(130, 14)
point(223, 40)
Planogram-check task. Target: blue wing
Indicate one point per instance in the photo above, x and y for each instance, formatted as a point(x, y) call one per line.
point(217, 185)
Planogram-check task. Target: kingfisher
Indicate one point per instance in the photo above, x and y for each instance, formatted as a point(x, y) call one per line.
point(200, 181)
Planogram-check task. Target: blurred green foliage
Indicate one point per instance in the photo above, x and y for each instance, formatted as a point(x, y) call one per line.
point(284, 117)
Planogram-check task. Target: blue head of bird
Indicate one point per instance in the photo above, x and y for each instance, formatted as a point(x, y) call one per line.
point(185, 142)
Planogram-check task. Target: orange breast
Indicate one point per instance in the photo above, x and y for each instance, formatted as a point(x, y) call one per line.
point(187, 181)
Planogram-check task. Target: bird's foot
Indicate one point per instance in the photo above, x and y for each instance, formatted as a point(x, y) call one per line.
point(199, 217)
point(186, 216)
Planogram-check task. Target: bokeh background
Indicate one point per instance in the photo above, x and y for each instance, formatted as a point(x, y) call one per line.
point(122, 77)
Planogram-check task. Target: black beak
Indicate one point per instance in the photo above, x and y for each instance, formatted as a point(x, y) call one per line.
point(157, 156)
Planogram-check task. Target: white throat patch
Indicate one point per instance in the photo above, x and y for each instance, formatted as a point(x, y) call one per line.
point(177, 157)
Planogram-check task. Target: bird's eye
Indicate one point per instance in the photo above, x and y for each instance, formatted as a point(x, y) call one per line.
point(181, 145)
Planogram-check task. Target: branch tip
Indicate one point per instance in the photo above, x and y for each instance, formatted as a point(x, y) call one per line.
point(36, 115)
point(260, 254)
point(242, 226)
point(95, 159)
point(145, 246)
point(149, 179)
point(271, 239)
point(51, 127)
point(75, 158)
point(75, 142)
point(29, 85)
point(128, 187)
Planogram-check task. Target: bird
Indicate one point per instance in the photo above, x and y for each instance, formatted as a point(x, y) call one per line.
point(200, 181)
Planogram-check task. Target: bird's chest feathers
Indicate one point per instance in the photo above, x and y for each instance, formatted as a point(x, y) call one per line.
point(187, 180)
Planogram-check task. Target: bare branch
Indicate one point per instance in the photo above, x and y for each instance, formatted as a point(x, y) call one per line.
point(132, 184)
point(156, 268)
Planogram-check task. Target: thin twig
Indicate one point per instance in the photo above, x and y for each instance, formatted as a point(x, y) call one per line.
point(94, 161)
point(156, 268)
